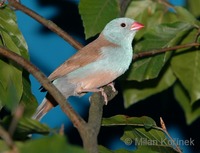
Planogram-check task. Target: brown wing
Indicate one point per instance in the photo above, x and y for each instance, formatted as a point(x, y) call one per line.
point(88, 54)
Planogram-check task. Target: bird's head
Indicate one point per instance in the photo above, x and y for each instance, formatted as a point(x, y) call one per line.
point(121, 30)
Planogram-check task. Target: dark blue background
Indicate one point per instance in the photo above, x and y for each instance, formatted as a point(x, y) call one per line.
point(48, 51)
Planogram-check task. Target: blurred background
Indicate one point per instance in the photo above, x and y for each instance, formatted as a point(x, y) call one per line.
point(47, 51)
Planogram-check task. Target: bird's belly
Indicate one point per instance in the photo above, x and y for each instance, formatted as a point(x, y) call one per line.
point(101, 72)
point(94, 80)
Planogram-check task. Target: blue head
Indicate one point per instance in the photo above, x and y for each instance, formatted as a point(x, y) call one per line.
point(121, 30)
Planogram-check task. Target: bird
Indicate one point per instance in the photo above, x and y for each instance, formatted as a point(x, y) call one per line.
point(97, 64)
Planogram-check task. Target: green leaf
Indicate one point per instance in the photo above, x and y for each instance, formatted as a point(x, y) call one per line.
point(137, 9)
point(150, 13)
point(8, 22)
point(142, 11)
point(186, 65)
point(162, 29)
point(165, 35)
point(28, 100)
point(25, 127)
point(53, 144)
point(103, 149)
point(152, 140)
point(116, 120)
point(192, 112)
point(143, 132)
point(193, 7)
point(14, 85)
point(135, 91)
point(3, 146)
point(96, 14)
point(185, 16)
point(10, 77)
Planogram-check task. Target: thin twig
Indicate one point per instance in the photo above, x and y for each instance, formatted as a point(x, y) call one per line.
point(49, 24)
point(65, 106)
point(8, 140)
point(162, 123)
point(62, 130)
point(166, 3)
point(197, 36)
point(166, 132)
point(163, 50)
point(123, 6)
point(17, 115)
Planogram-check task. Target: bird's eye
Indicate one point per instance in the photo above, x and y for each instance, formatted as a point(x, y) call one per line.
point(123, 25)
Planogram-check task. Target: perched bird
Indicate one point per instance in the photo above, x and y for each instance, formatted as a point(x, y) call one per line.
point(96, 65)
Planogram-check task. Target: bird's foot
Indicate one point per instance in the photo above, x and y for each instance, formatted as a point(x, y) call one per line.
point(96, 90)
point(112, 86)
point(104, 95)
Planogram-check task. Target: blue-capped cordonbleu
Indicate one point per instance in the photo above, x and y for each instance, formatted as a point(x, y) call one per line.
point(95, 65)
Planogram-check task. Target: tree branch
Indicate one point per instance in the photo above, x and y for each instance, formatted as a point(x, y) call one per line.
point(91, 129)
point(163, 50)
point(66, 108)
point(47, 23)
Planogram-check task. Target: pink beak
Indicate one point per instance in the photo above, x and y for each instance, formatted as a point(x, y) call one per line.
point(137, 26)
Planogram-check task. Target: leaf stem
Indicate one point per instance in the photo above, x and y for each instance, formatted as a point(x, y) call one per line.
point(197, 35)
point(164, 129)
point(49, 24)
point(143, 54)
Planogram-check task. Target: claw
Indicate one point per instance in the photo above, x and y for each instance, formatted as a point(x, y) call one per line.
point(95, 90)
point(104, 95)
point(112, 86)
point(82, 90)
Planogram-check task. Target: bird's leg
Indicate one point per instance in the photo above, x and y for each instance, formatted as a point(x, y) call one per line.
point(104, 95)
point(95, 90)
point(112, 86)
